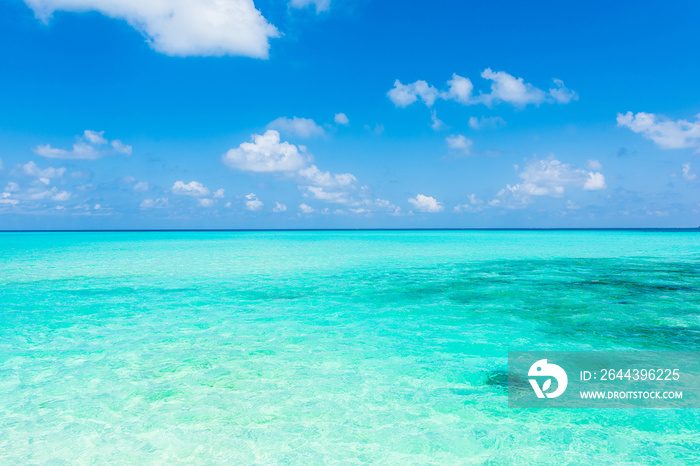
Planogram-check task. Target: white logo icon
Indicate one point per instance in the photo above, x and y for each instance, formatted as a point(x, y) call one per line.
point(543, 369)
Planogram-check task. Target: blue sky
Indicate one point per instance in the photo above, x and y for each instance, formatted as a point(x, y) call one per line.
point(348, 114)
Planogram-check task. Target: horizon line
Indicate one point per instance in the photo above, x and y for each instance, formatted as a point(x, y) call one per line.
point(164, 230)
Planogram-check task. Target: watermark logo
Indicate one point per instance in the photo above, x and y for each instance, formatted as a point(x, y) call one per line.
point(604, 379)
point(544, 369)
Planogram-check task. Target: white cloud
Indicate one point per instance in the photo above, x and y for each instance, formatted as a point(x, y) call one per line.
point(94, 137)
point(594, 164)
point(547, 177)
point(279, 207)
point(154, 203)
point(141, 186)
point(474, 204)
point(341, 119)
point(687, 172)
point(386, 205)
point(62, 196)
point(561, 94)
point(37, 194)
point(459, 143)
point(666, 133)
point(460, 89)
point(181, 27)
point(218, 194)
point(317, 192)
point(504, 88)
point(321, 5)
point(193, 188)
point(319, 178)
point(594, 182)
point(32, 169)
point(486, 122)
point(426, 203)
point(266, 154)
point(437, 124)
point(508, 88)
point(404, 95)
point(301, 127)
point(11, 187)
point(252, 202)
point(306, 209)
point(120, 147)
point(5, 199)
point(378, 129)
point(206, 202)
point(87, 147)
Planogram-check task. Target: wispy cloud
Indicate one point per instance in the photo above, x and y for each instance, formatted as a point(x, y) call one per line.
point(90, 146)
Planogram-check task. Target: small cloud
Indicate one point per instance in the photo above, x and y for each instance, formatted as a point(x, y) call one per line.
point(437, 124)
point(120, 147)
point(5, 199)
point(378, 129)
point(486, 122)
point(687, 172)
point(279, 207)
point(141, 186)
point(594, 182)
point(504, 88)
point(301, 127)
point(205, 202)
point(424, 203)
point(460, 144)
point(474, 204)
point(89, 146)
point(94, 137)
point(321, 5)
point(403, 95)
point(460, 89)
point(666, 133)
point(252, 202)
point(154, 203)
point(11, 187)
point(218, 194)
point(32, 169)
point(561, 94)
point(341, 119)
point(193, 188)
point(61, 196)
point(319, 178)
point(306, 209)
point(266, 154)
point(547, 177)
point(594, 164)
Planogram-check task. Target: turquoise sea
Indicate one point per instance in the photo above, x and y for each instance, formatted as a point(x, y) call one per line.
point(331, 347)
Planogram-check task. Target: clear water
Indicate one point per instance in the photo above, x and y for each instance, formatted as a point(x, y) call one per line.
point(323, 347)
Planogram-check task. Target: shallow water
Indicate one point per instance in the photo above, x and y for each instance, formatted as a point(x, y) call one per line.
point(317, 347)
